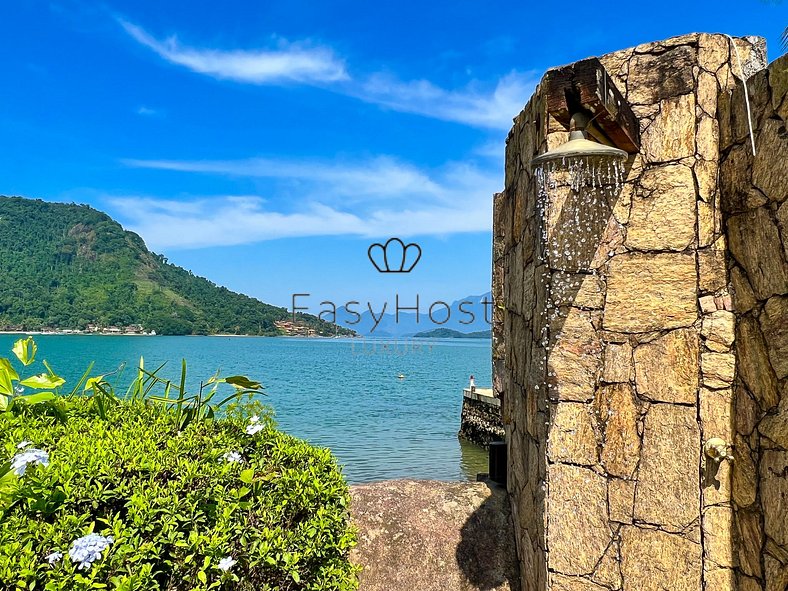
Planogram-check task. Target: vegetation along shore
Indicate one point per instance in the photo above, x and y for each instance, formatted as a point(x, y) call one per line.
point(79, 270)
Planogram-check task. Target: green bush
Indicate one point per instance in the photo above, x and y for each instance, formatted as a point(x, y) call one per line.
point(169, 496)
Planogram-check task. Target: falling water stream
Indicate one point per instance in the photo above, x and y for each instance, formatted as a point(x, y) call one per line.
point(575, 197)
point(584, 171)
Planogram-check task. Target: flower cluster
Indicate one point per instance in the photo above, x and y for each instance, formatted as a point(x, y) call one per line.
point(231, 457)
point(30, 456)
point(87, 549)
point(254, 426)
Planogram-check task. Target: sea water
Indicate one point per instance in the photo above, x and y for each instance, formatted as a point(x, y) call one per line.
point(344, 394)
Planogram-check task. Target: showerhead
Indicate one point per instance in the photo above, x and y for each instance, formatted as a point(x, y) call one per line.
point(579, 146)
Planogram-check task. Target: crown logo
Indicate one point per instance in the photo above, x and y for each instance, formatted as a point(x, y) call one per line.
point(395, 256)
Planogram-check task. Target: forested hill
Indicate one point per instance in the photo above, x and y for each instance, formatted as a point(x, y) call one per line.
point(68, 266)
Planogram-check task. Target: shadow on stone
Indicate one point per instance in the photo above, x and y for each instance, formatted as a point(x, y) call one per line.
point(434, 536)
point(486, 552)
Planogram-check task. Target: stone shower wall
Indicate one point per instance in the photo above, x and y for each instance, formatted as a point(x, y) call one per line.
point(613, 339)
point(754, 194)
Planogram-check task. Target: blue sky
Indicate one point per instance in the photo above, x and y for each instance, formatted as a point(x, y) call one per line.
point(265, 145)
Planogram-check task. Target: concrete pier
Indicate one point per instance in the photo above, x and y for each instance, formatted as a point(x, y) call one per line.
point(480, 422)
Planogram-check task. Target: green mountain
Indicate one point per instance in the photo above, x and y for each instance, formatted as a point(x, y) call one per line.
point(448, 333)
point(65, 266)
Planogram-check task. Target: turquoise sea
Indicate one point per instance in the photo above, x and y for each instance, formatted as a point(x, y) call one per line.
point(344, 394)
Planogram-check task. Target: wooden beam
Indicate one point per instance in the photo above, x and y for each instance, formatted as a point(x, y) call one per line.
point(586, 87)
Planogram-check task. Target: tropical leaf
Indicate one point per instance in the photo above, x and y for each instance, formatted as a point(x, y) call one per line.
point(8, 482)
point(43, 381)
point(7, 375)
point(93, 383)
point(36, 398)
point(25, 350)
point(243, 382)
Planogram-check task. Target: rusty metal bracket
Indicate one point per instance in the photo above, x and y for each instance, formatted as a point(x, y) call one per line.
point(586, 87)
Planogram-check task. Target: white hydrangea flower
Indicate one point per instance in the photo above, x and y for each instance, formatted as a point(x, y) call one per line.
point(24, 444)
point(254, 428)
point(254, 419)
point(232, 457)
point(87, 549)
point(226, 563)
point(30, 456)
point(54, 557)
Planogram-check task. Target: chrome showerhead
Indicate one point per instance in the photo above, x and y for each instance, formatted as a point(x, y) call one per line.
point(579, 146)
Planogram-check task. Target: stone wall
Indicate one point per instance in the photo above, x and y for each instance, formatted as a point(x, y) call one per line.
point(480, 419)
point(754, 197)
point(613, 339)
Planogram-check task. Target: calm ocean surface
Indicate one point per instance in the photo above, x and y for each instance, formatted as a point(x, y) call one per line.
point(339, 393)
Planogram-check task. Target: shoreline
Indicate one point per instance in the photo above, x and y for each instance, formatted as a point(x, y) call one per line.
point(137, 334)
point(367, 338)
point(76, 333)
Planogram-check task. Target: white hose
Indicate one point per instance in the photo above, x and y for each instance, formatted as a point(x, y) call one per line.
point(746, 94)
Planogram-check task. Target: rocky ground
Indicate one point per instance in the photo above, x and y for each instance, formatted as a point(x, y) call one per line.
point(434, 536)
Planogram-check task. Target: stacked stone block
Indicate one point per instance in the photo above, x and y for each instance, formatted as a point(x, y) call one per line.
point(754, 191)
point(614, 339)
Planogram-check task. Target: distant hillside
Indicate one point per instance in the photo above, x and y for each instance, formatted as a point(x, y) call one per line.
point(447, 333)
point(65, 266)
point(471, 313)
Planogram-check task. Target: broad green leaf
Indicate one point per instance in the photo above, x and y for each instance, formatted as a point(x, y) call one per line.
point(25, 350)
point(42, 381)
point(5, 470)
point(7, 374)
point(8, 481)
point(247, 476)
point(5, 365)
point(6, 387)
point(37, 398)
point(202, 577)
point(91, 382)
point(243, 382)
point(3, 402)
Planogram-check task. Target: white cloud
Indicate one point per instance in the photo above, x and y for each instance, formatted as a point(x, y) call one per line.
point(476, 105)
point(377, 178)
point(291, 62)
point(472, 105)
point(147, 111)
point(456, 198)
